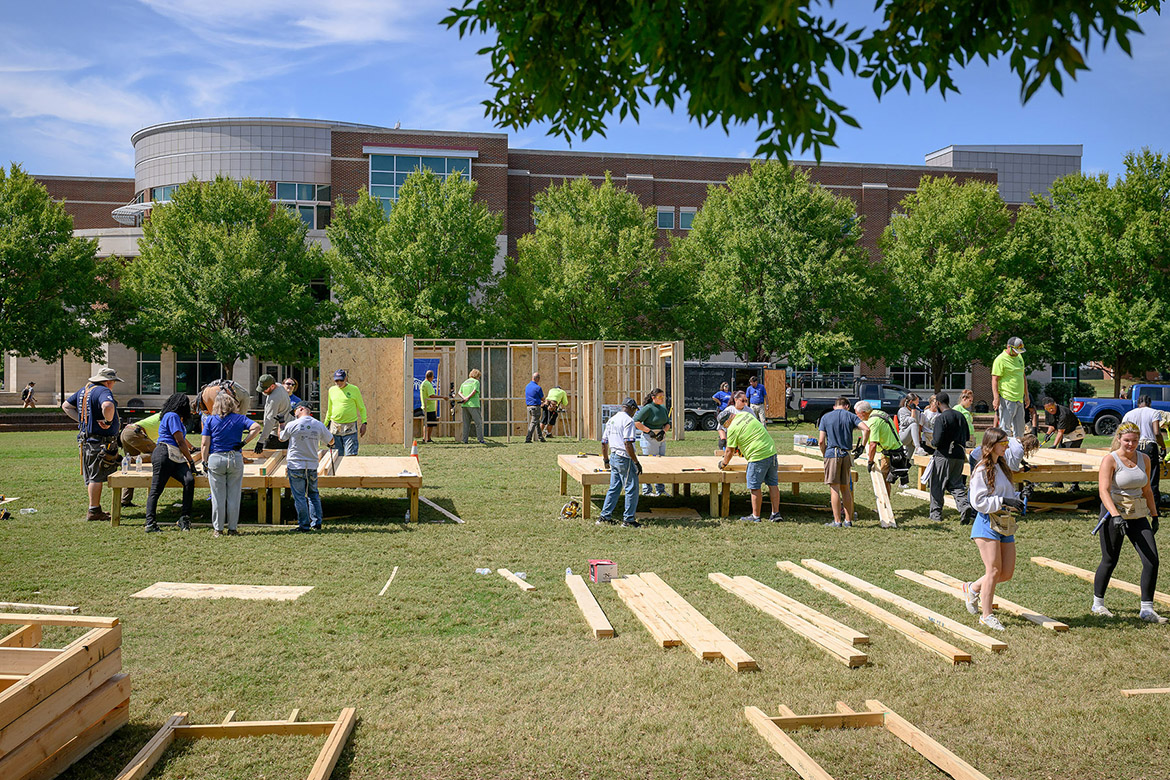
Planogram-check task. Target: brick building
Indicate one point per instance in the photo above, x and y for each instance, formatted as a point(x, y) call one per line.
point(309, 164)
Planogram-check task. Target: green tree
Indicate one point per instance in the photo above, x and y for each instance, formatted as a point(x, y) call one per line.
point(782, 270)
point(54, 293)
point(222, 269)
point(423, 269)
point(1112, 246)
point(591, 270)
point(957, 298)
point(576, 63)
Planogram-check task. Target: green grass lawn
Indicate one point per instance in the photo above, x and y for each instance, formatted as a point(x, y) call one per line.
point(457, 675)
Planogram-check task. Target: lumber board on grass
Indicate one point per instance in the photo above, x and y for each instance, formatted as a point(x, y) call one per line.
point(79, 621)
point(205, 590)
point(955, 590)
point(942, 621)
point(882, 499)
point(907, 629)
point(75, 658)
point(25, 636)
point(696, 637)
point(1088, 576)
point(832, 720)
point(440, 509)
point(64, 610)
point(843, 632)
point(592, 611)
point(834, 646)
point(786, 746)
point(140, 766)
point(845, 708)
point(926, 745)
point(948, 499)
point(33, 751)
point(59, 702)
point(331, 751)
point(1127, 692)
point(956, 586)
point(510, 577)
point(663, 633)
point(239, 729)
point(81, 745)
point(709, 635)
point(25, 660)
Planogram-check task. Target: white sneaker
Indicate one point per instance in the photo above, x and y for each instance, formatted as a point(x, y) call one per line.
point(1102, 610)
point(919, 451)
point(992, 622)
point(971, 596)
point(1150, 616)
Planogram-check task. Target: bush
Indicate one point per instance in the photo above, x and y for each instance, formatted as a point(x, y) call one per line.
point(1035, 391)
point(1063, 392)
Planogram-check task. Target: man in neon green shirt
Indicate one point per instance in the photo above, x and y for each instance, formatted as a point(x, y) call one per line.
point(555, 402)
point(881, 439)
point(748, 436)
point(469, 396)
point(426, 394)
point(344, 408)
point(1009, 388)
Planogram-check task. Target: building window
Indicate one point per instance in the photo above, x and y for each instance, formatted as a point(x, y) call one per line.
point(1064, 372)
point(310, 202)
point(917, 376)
point(162, 194)
point(193, 370)
point(686, 218)
point(149, 373)
point(666, 217)
point(388, 172)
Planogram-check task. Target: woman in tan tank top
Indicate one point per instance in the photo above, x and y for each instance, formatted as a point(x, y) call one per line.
point(1127, 509)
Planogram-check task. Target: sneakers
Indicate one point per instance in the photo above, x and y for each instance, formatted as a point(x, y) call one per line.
point(646, 491)
point(315, 526)
point(834, 524)
point(971, 596)
point(776, 518)
point(216, 534)
point(184, 524)
point(605, 521)
point(1150, 616)
point(749, 519)
point(967, 517)
point(919, 451)
point(992, 622)
point(129, 503)
point(847, 523)
point(660, 492)
point(233, 532)
point(631, 524)
point(152, 528)
point(1102, 610)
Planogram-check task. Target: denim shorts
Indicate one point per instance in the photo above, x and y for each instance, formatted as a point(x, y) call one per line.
point(981, 529)
point(763, 472)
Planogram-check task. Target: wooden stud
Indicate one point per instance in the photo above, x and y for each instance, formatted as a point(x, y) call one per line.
point(81, 745)
point(948, 499)
point(525, 586)
point(415, 498)
point(956, 587)
point(331, 751)
point(386, 587)
point(922, 742)
point(292, 716)
point(1127, 692)
point(843, 632)
point(116, 509)
point(697, 632)
point(786, 746)
point(25, 660)
point(254, 728)
point(833, 720)
point(228, 718)
point(40, 607)
point(59, 620)
point(942, 621)
point(592, 611)
point(784, 710)
point(1088, 576)
point(885, 510)
point(631, 595)
point(910, 631)
point(25, 636)
point(140, 766)
point(844, 708)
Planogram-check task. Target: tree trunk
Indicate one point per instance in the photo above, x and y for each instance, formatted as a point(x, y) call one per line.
point(227, 369)
point(1116, 376)
point(937, 372)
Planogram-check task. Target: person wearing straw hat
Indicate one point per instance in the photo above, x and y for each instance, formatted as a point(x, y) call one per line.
point(1009, 388)
point(98, 426)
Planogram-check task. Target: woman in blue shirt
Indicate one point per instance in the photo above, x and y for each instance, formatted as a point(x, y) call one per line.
point(722, 399)
point(172, 459)
point(290, 385)
point(223, 440)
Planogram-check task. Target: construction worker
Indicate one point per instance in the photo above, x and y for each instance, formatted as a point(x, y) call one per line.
point(620, 457)
point(1061, 422)
point(966, 401)
point(758, 399)
point(470, 400)
point(948, 456)
point(555, 402)
point(1151, 442)
point(290, 384)
point(880, 440)
point(722, 399)
point(139, 440)
point(747, 436)
point(172, 459)
point(96, 413)
point(1009, 388)
point(305, 436)
point(835, 434)
point(534, 402)
point(277, 409)
point(345, 413)
point(653, 421)
point(426, 394)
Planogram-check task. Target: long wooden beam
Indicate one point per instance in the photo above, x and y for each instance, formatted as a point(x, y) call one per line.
point(331, 751)
point(833, 720)
point(41, 607)
point(926, 745)
point(1144, 691)
point(25, 660)
point(140, 766)
point(942, 621)
point(254, 728)
point(662, 632)
point(78, 621)
point(882, 499)
point(81, 745)
point(510, 577)
point(1088, 576)
point(25, 636)
point(592, 611)
point(907, 629)
point(786, 746)
point(843, 632)
point(955, 587)
point(708, 635)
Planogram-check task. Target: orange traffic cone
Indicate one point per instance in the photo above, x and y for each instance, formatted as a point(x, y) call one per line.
point(414, 449)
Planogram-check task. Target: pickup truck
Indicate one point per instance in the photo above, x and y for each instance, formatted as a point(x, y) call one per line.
point(814, 402)
point(1103, 415)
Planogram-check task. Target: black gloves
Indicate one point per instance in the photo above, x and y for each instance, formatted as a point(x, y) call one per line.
point(259, 448)
point(638, 466)
point(857, 450)
point(869, 466)
point(1154, 523)
point(1014, 504)
point(659, 435)
point(606, 462)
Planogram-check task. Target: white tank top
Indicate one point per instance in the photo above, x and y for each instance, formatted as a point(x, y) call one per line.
point(1128, 480)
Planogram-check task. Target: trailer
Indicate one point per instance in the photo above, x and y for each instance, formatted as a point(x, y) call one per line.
point(703, 379)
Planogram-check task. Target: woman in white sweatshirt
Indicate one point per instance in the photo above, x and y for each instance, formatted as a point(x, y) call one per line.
point(993, 497)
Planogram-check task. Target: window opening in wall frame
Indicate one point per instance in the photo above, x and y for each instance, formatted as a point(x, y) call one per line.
point(666, 217)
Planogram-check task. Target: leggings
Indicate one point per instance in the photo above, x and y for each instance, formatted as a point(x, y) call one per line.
point(1142, 537)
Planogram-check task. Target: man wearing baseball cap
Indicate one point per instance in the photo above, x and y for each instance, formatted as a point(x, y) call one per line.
point(277, 409)
point(345, 413)
point(1009, 388)
point(96, 413)
point(619, 455)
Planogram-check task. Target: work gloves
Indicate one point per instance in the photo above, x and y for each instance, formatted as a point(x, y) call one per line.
point(659, 435)
point(606, 462)
point(1014, 504)
point(638, 466)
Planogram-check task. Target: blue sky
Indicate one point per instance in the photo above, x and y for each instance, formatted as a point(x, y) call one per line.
point(77, 78)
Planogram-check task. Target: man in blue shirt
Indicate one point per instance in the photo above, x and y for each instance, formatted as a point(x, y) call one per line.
point(305, 435)
point(757, 395)
point(836, 442)
point(96, 412)
point(533, 399)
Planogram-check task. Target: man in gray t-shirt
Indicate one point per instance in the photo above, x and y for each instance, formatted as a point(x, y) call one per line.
point(305, 436)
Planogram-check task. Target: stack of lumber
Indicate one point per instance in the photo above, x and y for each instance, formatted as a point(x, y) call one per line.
point(56, 705)
point(671, 620)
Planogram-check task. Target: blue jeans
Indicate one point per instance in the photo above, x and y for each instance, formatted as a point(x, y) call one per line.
point(306, 498)
point(225, 476)
point(651, 446)
point(346, 444)
point(623, 478)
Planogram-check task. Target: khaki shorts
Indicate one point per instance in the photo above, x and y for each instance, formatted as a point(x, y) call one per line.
point(135, 441)
point(883, 464)
point(838, 471)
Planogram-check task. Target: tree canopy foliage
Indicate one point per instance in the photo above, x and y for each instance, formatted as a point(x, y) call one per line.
point(222, 269)
point(423, 269)
point(576, 63)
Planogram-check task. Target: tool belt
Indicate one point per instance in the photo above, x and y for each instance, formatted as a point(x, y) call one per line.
point(108, 444)
point(342, 429)
point(1131, 508)
point(1003, 522)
